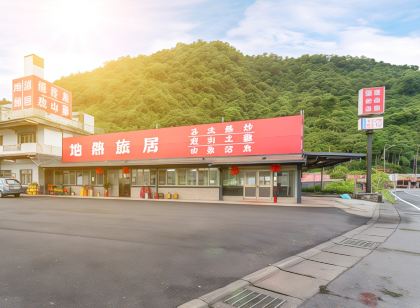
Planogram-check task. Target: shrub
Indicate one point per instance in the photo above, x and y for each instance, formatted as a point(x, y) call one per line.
point(312, 188)
point(344, 187)
point(339, 172)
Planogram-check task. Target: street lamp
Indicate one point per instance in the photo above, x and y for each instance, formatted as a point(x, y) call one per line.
point(386, 148)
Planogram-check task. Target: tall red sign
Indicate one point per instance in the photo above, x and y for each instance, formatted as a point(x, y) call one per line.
point(371, 101)
point(282, 135)
point(34, 92)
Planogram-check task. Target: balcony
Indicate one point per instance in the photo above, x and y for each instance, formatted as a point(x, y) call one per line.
point(29, 149)
point(6, 114)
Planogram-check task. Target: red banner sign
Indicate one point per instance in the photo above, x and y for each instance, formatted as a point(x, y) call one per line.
point(371, 101)
point(34, 92)
point(255, 137)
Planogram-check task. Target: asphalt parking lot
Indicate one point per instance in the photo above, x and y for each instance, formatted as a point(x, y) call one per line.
point(58, 252)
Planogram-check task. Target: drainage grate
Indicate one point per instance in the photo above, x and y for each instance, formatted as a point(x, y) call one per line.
point(245, 298)
point(359, 243)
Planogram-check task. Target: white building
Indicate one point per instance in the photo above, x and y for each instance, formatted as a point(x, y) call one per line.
point(31, 135)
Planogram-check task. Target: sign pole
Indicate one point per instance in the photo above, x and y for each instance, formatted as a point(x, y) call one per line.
point(369, 134)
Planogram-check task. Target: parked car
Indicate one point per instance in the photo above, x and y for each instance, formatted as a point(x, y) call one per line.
point(9, 186)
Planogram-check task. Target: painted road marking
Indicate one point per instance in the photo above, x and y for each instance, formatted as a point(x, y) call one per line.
point(411, 194)
point(405, 201)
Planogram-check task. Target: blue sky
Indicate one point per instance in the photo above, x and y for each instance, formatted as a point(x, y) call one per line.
point(79, 35)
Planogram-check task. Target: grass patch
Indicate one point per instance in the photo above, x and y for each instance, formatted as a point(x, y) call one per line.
point(388, 196)
point(391, 293)
point(324, 290)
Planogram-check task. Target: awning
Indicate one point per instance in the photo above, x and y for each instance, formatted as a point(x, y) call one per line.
point(203, 161)
point(328, 159)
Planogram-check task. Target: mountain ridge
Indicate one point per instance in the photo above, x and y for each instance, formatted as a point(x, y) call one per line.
point(205, 81)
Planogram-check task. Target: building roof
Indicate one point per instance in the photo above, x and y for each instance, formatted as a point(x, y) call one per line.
point(328, 159)
point(15, 118)
point(206, 161)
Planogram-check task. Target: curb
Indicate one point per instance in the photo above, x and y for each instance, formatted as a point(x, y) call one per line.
point(184, 201)
point(321, 254)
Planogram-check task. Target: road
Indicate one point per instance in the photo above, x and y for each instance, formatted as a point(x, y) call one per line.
point(58, 252)
point(411, 198)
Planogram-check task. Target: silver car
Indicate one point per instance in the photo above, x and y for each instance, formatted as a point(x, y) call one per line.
point(9, 186)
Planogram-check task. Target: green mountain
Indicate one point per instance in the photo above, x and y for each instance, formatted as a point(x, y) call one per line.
point(205, 81)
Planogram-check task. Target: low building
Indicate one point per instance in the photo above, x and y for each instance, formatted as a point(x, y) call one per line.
point(256, 160)
point(34, 124)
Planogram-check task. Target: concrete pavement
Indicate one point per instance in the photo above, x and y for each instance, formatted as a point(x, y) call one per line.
point(390, 275)
point(376, 265)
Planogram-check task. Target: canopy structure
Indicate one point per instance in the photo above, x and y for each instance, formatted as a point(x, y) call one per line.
point(327, 159)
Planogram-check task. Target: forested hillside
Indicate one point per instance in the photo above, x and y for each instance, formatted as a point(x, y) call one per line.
point(203, 82)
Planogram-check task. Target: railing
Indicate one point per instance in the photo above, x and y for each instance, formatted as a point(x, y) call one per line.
point(11, 147)
point(26, 148)
point(7, 114)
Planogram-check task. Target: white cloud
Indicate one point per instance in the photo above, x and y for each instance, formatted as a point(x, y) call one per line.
point(372, 43)
point(79, 35)
point(292, 28)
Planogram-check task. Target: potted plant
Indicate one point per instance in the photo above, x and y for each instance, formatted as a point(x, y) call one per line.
point(107, 185)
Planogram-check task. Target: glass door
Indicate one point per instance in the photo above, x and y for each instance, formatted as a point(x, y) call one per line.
point(114, 182)
point(264, 184)
point(250, 184)
point(124, 188)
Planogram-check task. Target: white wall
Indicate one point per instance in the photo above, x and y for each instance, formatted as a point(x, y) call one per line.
point(9, 136)
point(21, 164)
point(52, 137)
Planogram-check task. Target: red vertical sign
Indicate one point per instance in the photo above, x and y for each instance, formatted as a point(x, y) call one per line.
point(34, 92)
point(371, 101)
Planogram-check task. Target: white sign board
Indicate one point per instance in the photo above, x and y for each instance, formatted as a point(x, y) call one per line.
point(393, 177)
point(371, 123)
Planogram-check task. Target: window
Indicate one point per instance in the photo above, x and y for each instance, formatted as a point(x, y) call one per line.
point(284, 184)
point(203, 177)
point(26, 176)
point(58, 177)
point(5, 173)
point(232, 180)
point(153, 177)
point(170, 177)
point(162, 177)
point(182, 176)
point(137, 176)
point(27, 138)
point(72, 177)
point(66, 177)
point(11, 181)
point(146, 177)
point(192, 177)
point(86, 177)
point(79, 178)
point(214, 177)
point(99, 179)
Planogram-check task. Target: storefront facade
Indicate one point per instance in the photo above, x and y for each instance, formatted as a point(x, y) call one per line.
point(254, 160)
point(253, 183)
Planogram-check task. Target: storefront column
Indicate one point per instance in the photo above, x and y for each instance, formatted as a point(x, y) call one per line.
point(220, 184)
point(157, 182)
point(299, 184)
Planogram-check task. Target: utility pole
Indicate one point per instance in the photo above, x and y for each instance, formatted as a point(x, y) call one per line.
point(386, 148)
point(369, 134)
point(415, 162)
